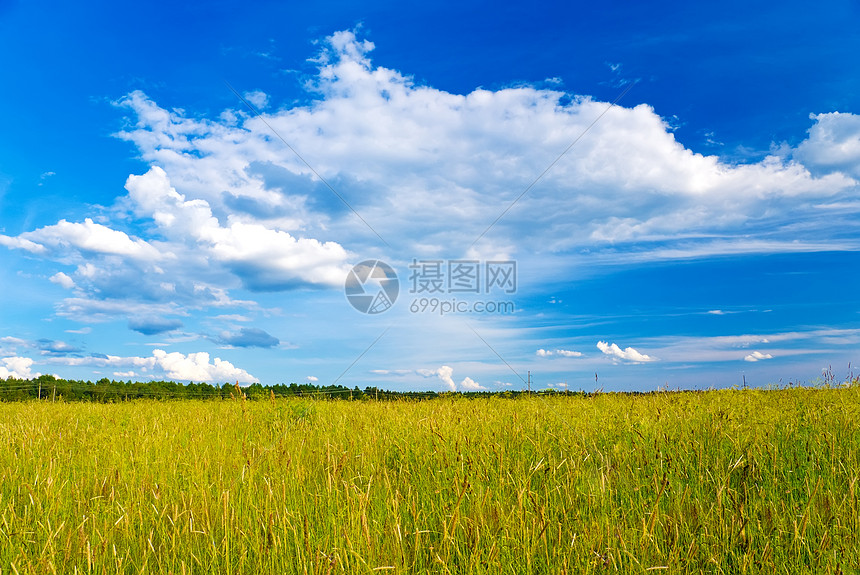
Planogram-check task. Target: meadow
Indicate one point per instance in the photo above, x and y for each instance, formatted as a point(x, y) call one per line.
point(736, 481)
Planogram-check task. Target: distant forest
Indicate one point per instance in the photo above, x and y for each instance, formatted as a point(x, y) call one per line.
point(49, 388)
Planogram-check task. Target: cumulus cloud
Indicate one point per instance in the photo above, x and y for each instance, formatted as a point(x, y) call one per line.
point(757, 356)
point(416, 147)
point(197, 367)
point(17, 367)
point(312, 378)
point(225, 205)
point(445, 375)
point(627, 354)
point(88, 237)
point(62, 280)
point(468, 384)
point(22, 244)
point(264, 258)
point(176, 366)
point(833, 144)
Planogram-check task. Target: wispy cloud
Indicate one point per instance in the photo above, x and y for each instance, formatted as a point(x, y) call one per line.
point(55, 347)
point(558, 352)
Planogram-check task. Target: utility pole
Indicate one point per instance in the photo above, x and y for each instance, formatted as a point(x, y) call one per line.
point(530, 383)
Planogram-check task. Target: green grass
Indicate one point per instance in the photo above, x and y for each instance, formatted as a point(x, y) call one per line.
point(717, 482)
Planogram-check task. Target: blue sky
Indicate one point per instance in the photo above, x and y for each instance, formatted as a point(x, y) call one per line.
point(701, 231)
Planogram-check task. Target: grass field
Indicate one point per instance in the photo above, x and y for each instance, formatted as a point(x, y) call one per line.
point(717, 482)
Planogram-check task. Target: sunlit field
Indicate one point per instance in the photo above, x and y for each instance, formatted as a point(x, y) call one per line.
point(716, 482)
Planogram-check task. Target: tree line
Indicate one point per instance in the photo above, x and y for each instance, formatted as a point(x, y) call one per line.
point(50, 388)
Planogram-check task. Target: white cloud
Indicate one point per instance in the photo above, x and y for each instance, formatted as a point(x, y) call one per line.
point(17, 367)
point(468, 384)
point(264, 258)
point(833, 144)
point(234, 317)
point(98, 310)
point(273, 260)
point(9, 346)
point(257, 98)
point(560, 352)
point(82, 331)
point(372, 129)
point(728, 348)
point(757, 356)
point(312, 378)
point(196, 367)
point(62, 280)
point(22, 244)
point(226, 205)
point(627, 354)
point(177, 366)
point(399, 372)
point(91, 237)
point(568, 353)
point(445, 375)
